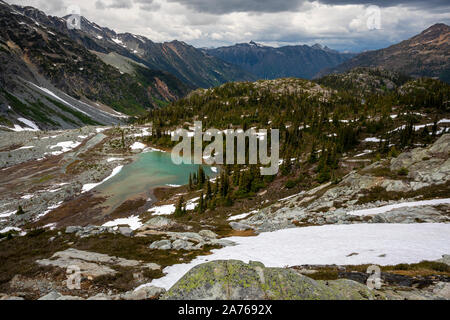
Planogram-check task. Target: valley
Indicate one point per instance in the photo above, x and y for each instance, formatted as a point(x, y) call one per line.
point(91, 185)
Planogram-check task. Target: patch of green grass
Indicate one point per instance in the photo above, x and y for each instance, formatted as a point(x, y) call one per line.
point(44, 179)
point(36, 111)
point(325, 275)
point(423, 268)
point(403, 172)
point(5, 121)
point(423, 265)
point(382, 172)
point(161, 103)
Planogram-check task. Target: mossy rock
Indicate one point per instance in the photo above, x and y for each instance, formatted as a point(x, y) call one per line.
point(236, 280)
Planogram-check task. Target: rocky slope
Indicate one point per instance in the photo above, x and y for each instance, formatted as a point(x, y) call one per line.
point(427, 176)
point(426, 54)
point(55, 82)
point(271, 63)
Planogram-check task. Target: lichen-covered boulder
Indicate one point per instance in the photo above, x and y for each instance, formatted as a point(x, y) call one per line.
point(236, 280)
point(351, 290)
point(159, 222)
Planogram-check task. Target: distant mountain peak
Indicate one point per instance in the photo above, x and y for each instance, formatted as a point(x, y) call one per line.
point(424, 55)
point(318, 46)
point(438, 26)
point(253, 43)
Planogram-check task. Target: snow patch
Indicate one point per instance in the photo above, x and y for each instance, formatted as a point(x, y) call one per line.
point(241, 216)
point(133, 222)
point(381, 244)
point(163, 210)
point(58, 98)
point(7, 214)
point(383, 209)
point(51, 208)
point(373, 139)
point(90, 186)
point(7, 229)
point(138, 146)
point(29, 123)
point(65, 146)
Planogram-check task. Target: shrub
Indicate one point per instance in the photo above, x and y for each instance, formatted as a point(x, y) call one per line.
point(403, 172)
point(20, 211)
point(290, 184)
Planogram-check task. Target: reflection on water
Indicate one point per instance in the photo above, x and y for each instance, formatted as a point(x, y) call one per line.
point(149, 171)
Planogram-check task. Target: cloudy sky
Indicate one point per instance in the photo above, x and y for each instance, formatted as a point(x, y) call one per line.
point(346, 25)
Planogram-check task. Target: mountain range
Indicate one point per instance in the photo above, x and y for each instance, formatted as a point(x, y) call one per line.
point(266, 62)
point(65, 78)
point(190, 65)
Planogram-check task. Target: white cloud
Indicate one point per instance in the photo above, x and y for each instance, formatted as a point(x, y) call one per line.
point(343, 27)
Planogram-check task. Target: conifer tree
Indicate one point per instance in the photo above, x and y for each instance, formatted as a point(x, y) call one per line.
point(180, 208)
point(20, 211)
point(190, 181)
point(208, 190)
point(201, 204)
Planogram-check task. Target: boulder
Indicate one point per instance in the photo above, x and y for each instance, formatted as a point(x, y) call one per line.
point(442, 289)
point(152, 266)
point(239, 226)
point(182, 245)
point(208, 234)
point(53, 295)
point(73, 229)
point(8, 297)
point(188, 236)
point(236, 280)
point(69, 298)
point(223, 242)
point(161, 245)
point(159, 222)
point(90, 264)
point(421, 214)
point(126, 231)
point(143, 293)
point(445, 259)
point(100, 296)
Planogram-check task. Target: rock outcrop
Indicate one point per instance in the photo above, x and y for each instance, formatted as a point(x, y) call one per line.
point(190, 241)
point(92, 264)
point(236, 280)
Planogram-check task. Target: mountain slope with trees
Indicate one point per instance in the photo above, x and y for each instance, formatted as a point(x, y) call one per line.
point(326, 127)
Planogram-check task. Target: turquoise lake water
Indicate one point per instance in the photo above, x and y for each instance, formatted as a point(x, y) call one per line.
point(149, 171)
